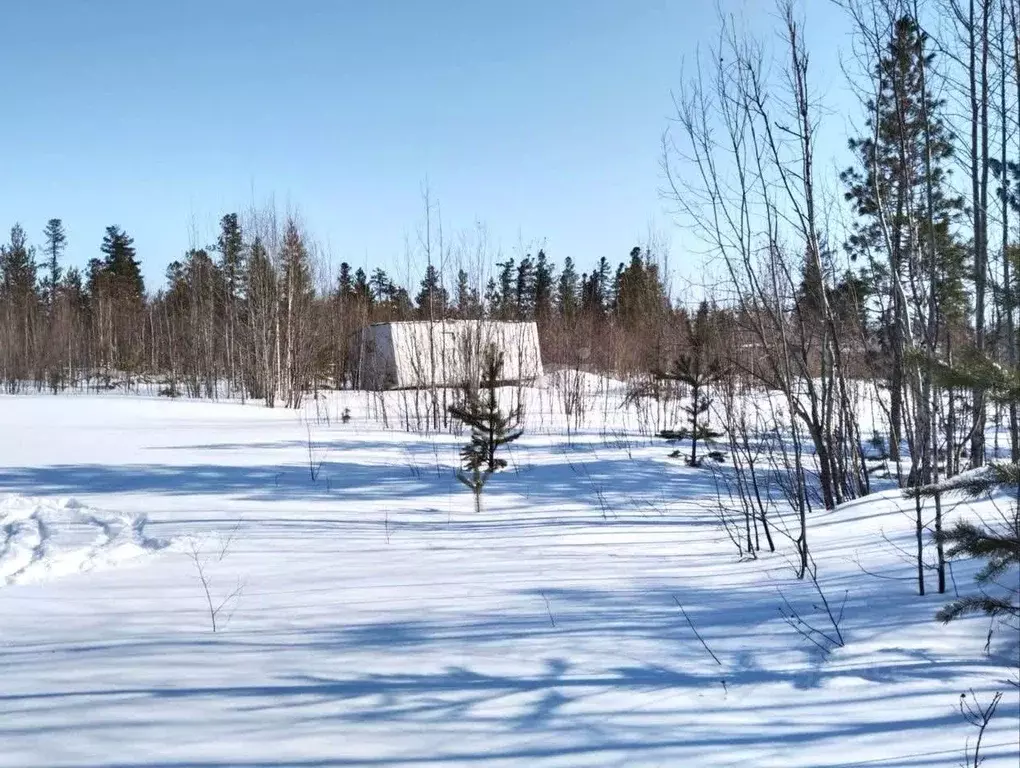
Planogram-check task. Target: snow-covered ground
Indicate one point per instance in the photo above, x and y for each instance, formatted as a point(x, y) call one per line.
point(367, 616)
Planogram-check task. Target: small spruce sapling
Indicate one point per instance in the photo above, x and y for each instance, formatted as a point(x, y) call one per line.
point(490, 427)
point(700, 370)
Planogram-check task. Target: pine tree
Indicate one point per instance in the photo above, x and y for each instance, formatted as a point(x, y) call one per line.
point(906, 210)
point(506, 303)
point(431, 298)
point(262, 305)
point(121, 265)
point(700, 369)
point(17, 266)
point(381, 285)
point(361, 286)
point(639, 294)
point(544, 282)
point(617, 291)
point(467, 297)
point(567, 290)
point(296, 299)
point(524, 293)
point(492, 298)
point(998, 544)
point(479, 410)
point(230, 245)
point(344, 283)
point(601, 285)
point(18, 302)
point(56, 241)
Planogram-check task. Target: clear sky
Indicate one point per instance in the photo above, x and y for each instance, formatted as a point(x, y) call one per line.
point(539, 118)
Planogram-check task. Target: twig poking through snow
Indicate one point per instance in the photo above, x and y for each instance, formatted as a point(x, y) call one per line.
point(978, 715)
point(199, 560)
point(548, 608)
point(695, 630)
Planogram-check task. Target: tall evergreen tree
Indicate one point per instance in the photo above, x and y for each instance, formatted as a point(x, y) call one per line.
point(297, 297)
point(18, 302)
point(431, 299)
point(544, 286)
point(524, 292)
point(506, 303)
point(362, 287)
point(17, 266)
point(55, 242)
point(567, 289)
point(230, 245)
point(381, 285)
point(467, 301)
point(121, 265)
point(344, 282)
point(601, 285)
point(906, 208)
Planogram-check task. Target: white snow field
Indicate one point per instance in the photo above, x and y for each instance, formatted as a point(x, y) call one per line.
point(380, 621)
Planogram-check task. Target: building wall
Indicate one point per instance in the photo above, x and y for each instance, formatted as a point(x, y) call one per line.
point(445, 354)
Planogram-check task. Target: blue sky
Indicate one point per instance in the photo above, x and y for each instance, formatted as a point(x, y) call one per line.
point(541, 120)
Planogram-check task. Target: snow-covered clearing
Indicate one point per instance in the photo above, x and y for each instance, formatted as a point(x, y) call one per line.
point(380, 621)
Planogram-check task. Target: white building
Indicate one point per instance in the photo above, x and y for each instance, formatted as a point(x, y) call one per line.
point(420, 354)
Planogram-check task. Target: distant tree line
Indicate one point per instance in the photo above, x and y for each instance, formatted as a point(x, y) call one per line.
point(247, 317)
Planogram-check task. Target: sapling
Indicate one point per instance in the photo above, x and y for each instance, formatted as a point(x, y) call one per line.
point(700, 370)
point(490, 427)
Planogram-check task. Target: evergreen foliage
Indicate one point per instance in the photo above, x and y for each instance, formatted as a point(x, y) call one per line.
point(56, 241)
point(567, 289)
point(17, 267)
point(491, 428)
point(700, 370)
point(431, 299)
point(997, 544)
point(230, 245)
point(120, 269)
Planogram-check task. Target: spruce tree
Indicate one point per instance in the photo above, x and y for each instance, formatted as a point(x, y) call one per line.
point(492, 299)
point(699, 369)
point(601, 285)
point(56, 241)
point(431, 298)
point(344, 282)
point(998, 544)
point(121, 265)
point(230, 245)
point(524, 294)
point(467, 297)
point(506, 303)
point(491, 428)
point(18, 302)
point(906, 211)
point(543, 293)
point(381, 285)
point(362, 288)
point(17, 267)
point(567, 290)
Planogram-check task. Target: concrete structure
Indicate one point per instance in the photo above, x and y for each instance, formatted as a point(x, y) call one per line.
point(420, 354)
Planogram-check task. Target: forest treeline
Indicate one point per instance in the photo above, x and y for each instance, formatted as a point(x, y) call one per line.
point(248, 316)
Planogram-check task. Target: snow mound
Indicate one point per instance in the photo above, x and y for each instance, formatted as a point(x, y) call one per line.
point(41, 539)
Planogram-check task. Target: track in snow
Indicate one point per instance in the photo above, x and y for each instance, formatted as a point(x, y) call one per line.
point(41, 539)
